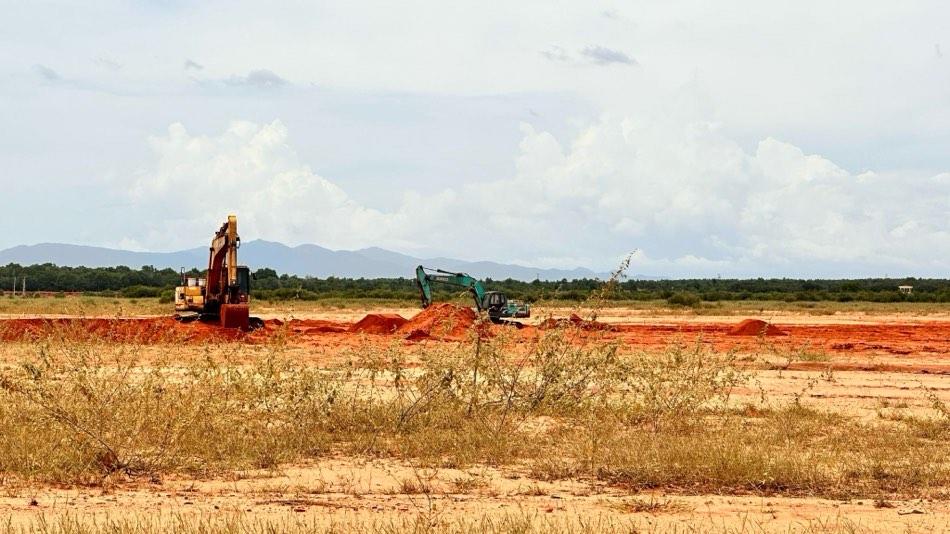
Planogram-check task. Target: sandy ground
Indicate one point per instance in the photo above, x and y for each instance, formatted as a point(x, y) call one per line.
point(859, 364)
point(343, 491)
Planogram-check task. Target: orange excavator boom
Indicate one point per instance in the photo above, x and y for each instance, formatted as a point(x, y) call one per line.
point(225, 291)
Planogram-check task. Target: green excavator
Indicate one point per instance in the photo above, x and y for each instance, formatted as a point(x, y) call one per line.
point(495, 303)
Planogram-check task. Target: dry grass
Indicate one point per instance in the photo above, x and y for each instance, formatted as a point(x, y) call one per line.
point(519, 522)
point(781, 355)
point(791, 452)
point(566, 405)
point(83, 306)
point(93, 306)
point(746, 308)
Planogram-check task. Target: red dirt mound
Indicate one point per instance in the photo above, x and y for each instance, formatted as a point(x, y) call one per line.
point(442, 320)
point(379, 323)
point(575, 320)
point(755, 327)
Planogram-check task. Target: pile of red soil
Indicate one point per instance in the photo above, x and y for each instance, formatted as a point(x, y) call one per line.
point(442, 320)
point(574, 320)
point(755, 327)
point(379, 323)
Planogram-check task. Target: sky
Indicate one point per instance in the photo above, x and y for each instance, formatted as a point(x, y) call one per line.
point(806, 139)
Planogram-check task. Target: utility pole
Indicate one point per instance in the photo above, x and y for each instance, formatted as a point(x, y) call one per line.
point(14, 285)
point(23, 293)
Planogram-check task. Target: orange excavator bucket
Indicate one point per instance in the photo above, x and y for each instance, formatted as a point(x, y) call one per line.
point(235, 316)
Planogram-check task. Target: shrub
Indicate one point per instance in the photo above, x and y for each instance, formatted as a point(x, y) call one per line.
point(672, 386)
point(682, 298)
point(140, 292)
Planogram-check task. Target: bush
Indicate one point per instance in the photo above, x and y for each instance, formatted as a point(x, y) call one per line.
point(672, 386)
point(682, 298)
point(141, 292)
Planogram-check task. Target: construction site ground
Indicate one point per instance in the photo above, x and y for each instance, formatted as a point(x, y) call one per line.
point(848, 362)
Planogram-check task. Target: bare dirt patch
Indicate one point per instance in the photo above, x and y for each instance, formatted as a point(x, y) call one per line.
point(361, 493)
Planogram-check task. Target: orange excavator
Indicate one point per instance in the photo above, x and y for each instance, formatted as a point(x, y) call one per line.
point(224, 292)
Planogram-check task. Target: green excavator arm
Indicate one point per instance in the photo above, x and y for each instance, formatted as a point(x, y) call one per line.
point(495, 303)
point(447, 277)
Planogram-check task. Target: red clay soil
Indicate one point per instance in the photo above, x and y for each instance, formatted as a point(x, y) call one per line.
point(918, 342)
point(379, 323)
point(315, 326)
point(144, 331)
point(912, 343)
point(573, 320)
point(441, 320)
point(755, 327)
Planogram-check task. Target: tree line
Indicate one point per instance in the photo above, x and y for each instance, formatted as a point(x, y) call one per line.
point(268, 284)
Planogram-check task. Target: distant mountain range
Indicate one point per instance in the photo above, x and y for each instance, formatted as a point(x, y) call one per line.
point(303, 260)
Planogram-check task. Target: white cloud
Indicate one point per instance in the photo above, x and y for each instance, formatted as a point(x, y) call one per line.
point(601, 55)
point(555, 53)
point(260, 78)
point(247, 170)
point(689, 198)
point(709, 150)
point(108, 64)
point(692, 198)
point(47, 73)
point(252, 171)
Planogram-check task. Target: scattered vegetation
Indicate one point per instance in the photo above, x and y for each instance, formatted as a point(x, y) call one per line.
point(522, 522)
point(89, 412)
point(149, 282)
point(567, 404)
